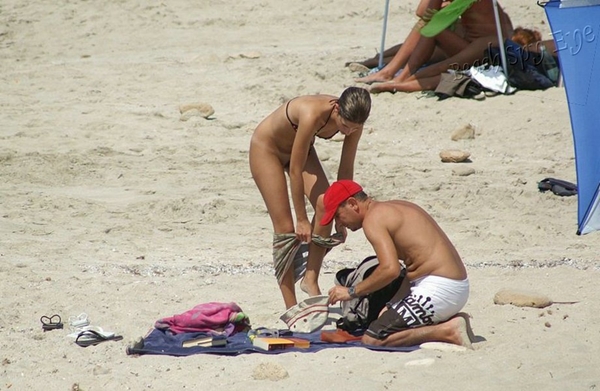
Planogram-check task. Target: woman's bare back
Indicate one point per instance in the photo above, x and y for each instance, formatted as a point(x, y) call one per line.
point(309, 113)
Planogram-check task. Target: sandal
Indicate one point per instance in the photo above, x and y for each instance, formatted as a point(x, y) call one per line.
point(53, 322)
point(94, 337)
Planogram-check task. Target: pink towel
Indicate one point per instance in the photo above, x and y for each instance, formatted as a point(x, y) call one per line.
point(216, 318)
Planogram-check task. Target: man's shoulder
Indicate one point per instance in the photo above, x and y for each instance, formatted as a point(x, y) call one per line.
point(389, 204)
point(387, 208)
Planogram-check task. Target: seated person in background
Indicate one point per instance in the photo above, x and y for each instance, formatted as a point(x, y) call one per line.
point(463, 48)
point(401, 230)
point(525, 37)
point(531, 40)
point(399, 53)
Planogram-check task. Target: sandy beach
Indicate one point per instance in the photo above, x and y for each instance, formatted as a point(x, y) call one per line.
point(115, 204)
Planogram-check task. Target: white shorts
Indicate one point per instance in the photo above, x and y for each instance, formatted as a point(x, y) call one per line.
point(431, 300)
point(443, 297)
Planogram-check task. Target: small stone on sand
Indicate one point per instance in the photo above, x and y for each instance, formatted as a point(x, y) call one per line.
point(520, 298)
point(203, 110)
point(463, 171)
point(464, 133)
point(269, 371)
point(251, 55)
point(443, 347)
point(454, 155)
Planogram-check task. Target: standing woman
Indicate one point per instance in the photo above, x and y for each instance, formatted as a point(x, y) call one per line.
point(283, 142)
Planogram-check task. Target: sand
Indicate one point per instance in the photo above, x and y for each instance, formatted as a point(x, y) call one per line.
point(115, 204)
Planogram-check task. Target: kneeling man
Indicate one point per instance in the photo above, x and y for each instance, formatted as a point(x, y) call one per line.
point(401, 230)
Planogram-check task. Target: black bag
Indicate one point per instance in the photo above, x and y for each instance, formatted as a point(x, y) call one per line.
point(358, 313)
point(525, 70)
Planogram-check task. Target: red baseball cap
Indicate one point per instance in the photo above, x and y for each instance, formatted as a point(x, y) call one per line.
point(337, 193)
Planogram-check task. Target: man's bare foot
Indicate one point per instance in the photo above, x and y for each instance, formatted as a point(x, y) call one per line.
point(377, 77)
point(389, 86)
point(311, 290)
point(463, 334)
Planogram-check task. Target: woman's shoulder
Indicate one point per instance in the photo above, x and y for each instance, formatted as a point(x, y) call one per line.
point(316, 97)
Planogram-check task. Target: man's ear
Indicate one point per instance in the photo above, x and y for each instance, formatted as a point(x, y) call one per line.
point(353, 203)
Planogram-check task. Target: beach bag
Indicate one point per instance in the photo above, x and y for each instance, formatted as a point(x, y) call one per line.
point(359, 312)
point(525, 69)
point(307, 316)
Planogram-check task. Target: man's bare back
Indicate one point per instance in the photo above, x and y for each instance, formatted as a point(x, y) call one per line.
point(479, 21)
point(418, 240)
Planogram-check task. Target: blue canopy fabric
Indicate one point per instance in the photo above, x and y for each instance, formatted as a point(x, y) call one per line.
point(575, 26)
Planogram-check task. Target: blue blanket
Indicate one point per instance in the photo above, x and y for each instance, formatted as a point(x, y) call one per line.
point(159, 342)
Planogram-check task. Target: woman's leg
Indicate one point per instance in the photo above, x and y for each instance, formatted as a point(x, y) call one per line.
point(269, 176)
point(315, 185)
point(473, 53)
point(372, 62)
point(399, 60)
point(411, 85)
point(428, 77)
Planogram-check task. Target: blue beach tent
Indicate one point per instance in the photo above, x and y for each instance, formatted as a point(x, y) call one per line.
point(575, 26)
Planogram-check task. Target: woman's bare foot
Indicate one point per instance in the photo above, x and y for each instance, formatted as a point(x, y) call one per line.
point(462, 333)
point(310, 289)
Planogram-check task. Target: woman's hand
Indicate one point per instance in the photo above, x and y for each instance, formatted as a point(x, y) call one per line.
point(304, 231)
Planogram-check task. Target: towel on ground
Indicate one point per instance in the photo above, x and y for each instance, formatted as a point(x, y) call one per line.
point(161, 343)
point(215, 318)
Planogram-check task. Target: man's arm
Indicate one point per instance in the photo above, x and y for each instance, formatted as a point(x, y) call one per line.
point(377, 232)
point(381, 220)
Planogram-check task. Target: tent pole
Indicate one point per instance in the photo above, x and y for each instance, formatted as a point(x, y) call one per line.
point(500, 38)
point(385, 18)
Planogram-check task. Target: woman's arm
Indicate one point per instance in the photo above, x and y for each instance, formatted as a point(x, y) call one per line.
point(300, 150)
point(346, 168)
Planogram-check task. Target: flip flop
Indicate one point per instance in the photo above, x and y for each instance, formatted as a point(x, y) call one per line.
point(52, 322)
point(442, 19)
point(92, 337)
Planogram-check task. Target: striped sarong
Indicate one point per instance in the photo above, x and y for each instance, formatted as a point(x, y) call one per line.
point(288, 251)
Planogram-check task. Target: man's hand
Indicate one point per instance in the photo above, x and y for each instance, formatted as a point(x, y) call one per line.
point(339, 228)
point(338, 293)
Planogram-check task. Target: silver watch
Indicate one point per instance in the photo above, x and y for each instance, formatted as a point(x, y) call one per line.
point(352, 292)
